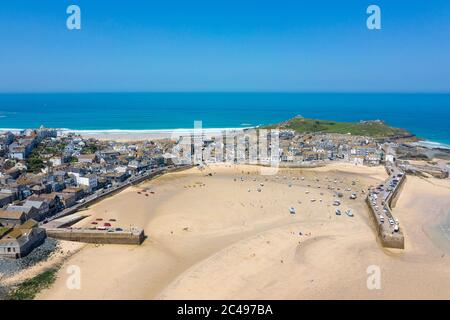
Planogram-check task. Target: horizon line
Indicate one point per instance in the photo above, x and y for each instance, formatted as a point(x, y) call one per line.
point(225, 91)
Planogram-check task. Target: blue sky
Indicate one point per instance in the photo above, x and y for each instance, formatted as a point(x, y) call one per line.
point(305, 46)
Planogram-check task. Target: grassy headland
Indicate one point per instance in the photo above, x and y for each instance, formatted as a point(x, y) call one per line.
point(375, 129)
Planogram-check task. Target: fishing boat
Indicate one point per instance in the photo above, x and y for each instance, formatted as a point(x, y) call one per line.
point(349, 213)
point(292, 210)
point(338, 212)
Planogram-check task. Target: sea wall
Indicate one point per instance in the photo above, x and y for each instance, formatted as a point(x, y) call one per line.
point(387, 238)
point(161, 172)
point(97, 236)
point(392, 200)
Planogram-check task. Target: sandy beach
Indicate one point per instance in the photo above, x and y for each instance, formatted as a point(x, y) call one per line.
point(145, 135)
point(213, 235)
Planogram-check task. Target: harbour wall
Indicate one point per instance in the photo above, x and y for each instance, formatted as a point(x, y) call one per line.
point(387, 238)
point(392, 200)
point(98, 236)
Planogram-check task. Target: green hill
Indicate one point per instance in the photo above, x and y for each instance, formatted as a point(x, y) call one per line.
point(375, 129)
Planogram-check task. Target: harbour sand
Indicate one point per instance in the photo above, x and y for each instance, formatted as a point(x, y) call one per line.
point(213, 235)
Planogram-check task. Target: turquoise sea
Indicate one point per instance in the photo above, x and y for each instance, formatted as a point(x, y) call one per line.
point(426, 115)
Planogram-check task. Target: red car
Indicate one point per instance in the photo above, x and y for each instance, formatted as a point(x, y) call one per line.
point(106, 224)
point(93, 222)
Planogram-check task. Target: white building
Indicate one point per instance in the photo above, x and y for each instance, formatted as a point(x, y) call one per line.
point(56, 161)
point(90, 180)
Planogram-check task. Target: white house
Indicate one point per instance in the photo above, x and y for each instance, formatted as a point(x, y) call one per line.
point(90, 181)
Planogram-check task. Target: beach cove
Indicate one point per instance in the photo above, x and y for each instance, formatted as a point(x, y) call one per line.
point(213, 235)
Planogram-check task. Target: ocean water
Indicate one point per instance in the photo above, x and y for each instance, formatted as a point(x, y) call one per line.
point(426, 115)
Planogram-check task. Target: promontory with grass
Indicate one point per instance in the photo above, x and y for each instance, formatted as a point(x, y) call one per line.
point(377, 129)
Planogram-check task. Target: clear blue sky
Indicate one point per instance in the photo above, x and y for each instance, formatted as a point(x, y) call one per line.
point(230, 45)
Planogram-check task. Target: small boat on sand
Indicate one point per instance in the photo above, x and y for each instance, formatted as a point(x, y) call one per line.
point(338, 212)
point(349, 213)
point(292, 210)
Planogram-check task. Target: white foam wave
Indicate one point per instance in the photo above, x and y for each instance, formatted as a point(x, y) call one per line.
point(431, 144)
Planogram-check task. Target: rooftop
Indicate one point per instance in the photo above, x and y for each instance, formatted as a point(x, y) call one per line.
point(11, 214)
